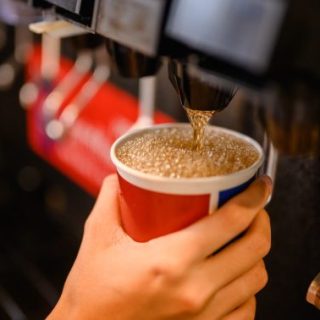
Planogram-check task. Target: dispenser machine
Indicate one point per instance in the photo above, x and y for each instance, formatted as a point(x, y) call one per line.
point(269, 48)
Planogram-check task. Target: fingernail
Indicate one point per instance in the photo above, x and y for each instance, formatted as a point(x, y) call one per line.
point(267, 180)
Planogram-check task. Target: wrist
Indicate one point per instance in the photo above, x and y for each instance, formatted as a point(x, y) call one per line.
point(64, 310)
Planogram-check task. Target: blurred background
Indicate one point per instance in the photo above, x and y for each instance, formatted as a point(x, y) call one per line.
point(41, 211)
point(45, 196)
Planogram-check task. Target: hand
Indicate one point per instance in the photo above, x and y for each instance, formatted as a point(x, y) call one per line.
point(174, 276)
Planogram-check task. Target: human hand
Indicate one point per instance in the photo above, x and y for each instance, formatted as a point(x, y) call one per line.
point(174, 276)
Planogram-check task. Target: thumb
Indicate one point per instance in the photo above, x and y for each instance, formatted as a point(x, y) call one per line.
point(106, 210)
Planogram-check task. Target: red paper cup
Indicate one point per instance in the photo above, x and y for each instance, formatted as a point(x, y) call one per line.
point(153, 206)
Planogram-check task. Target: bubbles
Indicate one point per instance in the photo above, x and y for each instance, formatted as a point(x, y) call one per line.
point(170, 152)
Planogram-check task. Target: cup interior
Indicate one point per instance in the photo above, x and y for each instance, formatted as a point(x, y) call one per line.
point(228, 180)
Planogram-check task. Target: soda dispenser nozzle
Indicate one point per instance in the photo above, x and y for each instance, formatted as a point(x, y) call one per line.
point(195, 91)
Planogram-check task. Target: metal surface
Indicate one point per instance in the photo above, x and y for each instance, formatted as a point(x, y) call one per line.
point(134, 23)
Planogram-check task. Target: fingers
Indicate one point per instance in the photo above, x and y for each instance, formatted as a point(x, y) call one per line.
point(239, 257)
point(236, 293)
point(213, 232)
point(227, 279)
point(105, 212)
point(227, 299)
point(245, 312)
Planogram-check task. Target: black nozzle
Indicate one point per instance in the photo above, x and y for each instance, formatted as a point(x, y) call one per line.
point(195, 93)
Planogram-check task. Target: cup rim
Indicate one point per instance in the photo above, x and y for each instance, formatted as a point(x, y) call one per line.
point(149, 177)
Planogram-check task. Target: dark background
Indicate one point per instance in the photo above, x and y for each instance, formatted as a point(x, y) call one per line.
point(42, 215)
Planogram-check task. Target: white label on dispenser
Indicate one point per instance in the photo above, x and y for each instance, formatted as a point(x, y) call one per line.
point(134, 23)
point(243, 32)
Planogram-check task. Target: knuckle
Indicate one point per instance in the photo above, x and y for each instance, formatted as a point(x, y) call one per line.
point(166, 270)
point(250, 310)
point(247, 314)
point(191, 302)
point(235, 218)
point(260, 243)
point(266, 217)
point(262, 277)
